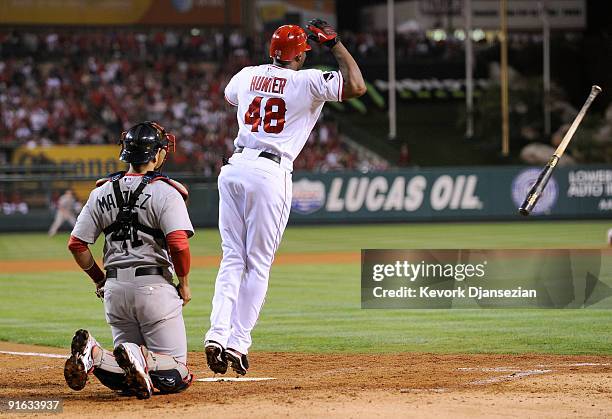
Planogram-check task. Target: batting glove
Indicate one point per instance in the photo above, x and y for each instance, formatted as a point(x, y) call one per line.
point(322, 32)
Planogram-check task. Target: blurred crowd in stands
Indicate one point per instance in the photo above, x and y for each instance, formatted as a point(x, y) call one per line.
point(12, 204)
point(206, 45)
point(85, 87)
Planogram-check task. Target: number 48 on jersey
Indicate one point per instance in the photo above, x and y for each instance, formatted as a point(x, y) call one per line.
point(274, 115)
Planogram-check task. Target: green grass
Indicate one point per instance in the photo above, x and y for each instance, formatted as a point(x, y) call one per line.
point(307, 239)
point(317, 307)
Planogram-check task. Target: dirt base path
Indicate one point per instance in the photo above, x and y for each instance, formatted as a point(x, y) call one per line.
point(23, 266)
point(309, 385)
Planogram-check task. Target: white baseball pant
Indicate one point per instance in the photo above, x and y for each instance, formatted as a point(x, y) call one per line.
point(60, 218)
point(254, 206)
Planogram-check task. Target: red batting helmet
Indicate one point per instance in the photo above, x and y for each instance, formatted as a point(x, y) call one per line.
point(288, 42)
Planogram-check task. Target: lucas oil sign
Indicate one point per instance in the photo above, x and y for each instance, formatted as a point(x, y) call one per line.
point(385, 194)
point(461, 193)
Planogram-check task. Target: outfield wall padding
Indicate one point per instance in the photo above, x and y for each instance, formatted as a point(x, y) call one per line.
point(409, 195)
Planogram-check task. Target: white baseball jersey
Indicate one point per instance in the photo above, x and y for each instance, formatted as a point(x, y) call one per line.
point(278, 107)
point(159, 206)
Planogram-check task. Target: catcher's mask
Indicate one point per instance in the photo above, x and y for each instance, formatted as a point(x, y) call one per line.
point(140, 143)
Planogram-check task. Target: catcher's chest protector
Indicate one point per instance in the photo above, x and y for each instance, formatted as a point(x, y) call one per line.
point(126, 225)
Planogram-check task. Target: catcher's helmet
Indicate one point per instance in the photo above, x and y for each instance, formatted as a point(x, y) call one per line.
point(140, 143)
point(288, 42)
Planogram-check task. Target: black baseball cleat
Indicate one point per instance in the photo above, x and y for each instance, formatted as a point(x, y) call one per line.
point(80, 363)
point(215, 357)
point(132, 362)
point(237, 361)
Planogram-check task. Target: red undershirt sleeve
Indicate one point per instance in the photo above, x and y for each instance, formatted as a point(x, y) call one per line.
point(76, 245)
point(178, 245)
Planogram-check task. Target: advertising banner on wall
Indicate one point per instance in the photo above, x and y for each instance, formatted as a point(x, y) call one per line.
point(82, 160)
point(432, 194)
point(120, 12)
point(85, 161)
point(459, 193)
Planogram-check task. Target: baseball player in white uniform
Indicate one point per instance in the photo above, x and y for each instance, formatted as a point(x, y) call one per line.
point(146, 225)
point(277, 107)
point(66, 208)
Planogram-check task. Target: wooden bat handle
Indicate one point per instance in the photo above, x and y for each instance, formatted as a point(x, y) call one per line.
point(595, 90)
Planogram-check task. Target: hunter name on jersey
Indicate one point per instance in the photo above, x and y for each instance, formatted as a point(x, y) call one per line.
point(268, 84)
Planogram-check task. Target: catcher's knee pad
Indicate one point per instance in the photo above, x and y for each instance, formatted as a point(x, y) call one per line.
point(112, 380)
point(168, 374)
point(170, 381)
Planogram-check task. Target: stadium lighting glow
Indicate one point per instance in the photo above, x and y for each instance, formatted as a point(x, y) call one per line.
point(478, 35)
point(438, 35)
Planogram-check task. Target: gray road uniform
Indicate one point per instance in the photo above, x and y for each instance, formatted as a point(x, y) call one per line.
point(141, 304)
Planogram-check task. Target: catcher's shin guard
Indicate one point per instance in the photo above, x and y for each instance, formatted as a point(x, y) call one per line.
point(112, 380)
point(167, 374)
point(170, 381)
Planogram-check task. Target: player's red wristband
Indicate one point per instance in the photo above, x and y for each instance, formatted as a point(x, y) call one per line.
point(95, 273)
point(76, 245)
point(178, 245)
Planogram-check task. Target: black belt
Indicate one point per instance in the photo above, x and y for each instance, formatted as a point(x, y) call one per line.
point(270, 156)
point(112, 272)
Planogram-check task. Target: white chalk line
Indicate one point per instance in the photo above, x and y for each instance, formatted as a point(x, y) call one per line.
point(236, 379)
point(424, 390)
point(47, 367)
point(40, 354)
point(495, 369)
point(579, 364)
point(509, 377)
point(518, 373)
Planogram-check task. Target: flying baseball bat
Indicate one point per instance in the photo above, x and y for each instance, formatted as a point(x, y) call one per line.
point(538, 187)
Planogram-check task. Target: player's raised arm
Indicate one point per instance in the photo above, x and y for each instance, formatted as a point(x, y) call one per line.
point(324, 34)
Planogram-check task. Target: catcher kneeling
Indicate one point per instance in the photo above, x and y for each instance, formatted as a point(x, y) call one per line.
point(146, 225)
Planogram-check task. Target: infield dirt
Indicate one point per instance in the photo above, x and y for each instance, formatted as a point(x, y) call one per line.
point(67, 264)
point(323, 385)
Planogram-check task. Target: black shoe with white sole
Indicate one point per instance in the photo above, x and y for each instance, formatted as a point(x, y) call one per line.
point(238, 361)
point(215, 357)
